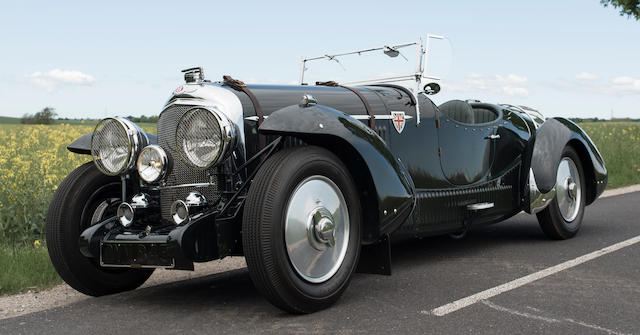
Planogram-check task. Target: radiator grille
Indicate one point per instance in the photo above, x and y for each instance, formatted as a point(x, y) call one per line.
point(179, 173)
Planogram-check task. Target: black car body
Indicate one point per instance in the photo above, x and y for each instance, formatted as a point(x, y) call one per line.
point(416, 171)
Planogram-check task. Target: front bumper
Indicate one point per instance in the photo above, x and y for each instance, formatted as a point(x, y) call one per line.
point(205, 237)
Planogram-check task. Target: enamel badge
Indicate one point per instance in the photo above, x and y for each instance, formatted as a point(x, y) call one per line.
point(398, 121)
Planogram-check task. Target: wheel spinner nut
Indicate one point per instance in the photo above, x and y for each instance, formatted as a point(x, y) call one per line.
point(571, 188)
point(325, 231)
point(321, 229)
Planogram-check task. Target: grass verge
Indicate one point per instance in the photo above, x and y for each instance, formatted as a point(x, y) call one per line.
point(619, 144)
point(26, 268)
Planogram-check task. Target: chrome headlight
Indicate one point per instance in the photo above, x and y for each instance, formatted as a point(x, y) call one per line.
point(203, 137)
point(152, 163)
point(115, 143)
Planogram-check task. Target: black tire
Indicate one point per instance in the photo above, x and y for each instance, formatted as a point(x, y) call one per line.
point(263, 227)
point(70, 212)
point(553, 224)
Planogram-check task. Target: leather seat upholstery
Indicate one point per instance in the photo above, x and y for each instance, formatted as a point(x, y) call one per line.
point(458, 110)
point(484, 115)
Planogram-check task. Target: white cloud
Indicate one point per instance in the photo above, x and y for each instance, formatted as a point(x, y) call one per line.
point(56, 77)
point(625, 85)
point(515, 91)
point(618, 86)
point(586, 76)
point(511, 84)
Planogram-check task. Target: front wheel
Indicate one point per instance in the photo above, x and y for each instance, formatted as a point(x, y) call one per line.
point(563, 216)
point(301, 229)
point(86, 197)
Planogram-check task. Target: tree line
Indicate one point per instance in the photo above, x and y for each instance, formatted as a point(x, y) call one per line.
point(595, 119)
point(45, 116)
point(48, 116)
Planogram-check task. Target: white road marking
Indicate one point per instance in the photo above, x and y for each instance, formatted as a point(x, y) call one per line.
point(519, 313)
point(494, 291)
point(548, 319)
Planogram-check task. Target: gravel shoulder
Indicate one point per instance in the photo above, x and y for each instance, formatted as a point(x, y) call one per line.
point(35, 301)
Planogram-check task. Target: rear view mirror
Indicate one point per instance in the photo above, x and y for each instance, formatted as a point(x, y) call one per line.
point(431, 88)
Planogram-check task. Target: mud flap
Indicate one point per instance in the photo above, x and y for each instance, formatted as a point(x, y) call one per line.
point(376, 258)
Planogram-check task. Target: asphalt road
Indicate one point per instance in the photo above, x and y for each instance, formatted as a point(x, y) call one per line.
point(597, 297)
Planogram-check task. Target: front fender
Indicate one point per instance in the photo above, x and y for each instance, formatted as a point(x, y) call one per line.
point(550, 140)
point(392, 185)
point(82, 145)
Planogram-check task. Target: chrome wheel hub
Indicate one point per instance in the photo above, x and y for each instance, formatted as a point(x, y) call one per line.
point(569, 194)
point(321, 229)
point(571, 188)
point(316, 229)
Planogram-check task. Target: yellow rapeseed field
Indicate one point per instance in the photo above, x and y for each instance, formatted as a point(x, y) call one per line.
point(33, 162)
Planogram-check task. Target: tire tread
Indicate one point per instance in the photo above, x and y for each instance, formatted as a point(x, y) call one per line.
point(82, 275)
point(550, 220)
point(265, 267)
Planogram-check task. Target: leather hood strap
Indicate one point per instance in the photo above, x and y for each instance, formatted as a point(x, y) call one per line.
point(367, 107)
point(241, 86)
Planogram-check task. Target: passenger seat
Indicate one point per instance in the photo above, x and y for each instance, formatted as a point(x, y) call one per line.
point(484, 115)
point(458, 110)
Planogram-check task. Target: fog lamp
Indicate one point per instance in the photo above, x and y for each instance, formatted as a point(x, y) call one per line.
point(179, 211)
point(125, 214)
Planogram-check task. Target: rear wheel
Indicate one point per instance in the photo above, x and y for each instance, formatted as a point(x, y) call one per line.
point(563, 216)
point(301, 229)
point(86, 197)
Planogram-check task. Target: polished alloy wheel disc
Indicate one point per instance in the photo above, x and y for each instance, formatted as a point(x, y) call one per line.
point(569, 194)
point(99, 213)
point(316, 229)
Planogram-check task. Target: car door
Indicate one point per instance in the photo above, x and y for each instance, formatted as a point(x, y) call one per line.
point(466, 150)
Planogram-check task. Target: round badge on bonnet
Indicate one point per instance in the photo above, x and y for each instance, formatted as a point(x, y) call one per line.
point(185, 89)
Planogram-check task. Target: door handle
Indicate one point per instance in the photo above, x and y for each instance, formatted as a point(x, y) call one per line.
point(492, 137)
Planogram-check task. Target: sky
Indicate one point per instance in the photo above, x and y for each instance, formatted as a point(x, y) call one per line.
point(92, 59)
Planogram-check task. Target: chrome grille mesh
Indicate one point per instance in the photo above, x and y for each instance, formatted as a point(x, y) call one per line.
point(180, 173)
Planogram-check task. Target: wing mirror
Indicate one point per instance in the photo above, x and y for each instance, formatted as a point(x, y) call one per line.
point(431, 88)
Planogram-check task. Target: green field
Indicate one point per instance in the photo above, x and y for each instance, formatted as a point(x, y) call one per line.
point(73, 122)
point(16, 120)
point(619, 144)
point(9, 120)
point(34, 160)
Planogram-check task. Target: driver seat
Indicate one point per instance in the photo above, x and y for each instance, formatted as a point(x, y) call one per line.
point(458, 110)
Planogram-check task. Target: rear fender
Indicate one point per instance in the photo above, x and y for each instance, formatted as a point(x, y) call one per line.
point(386, 189)
point(550, 140)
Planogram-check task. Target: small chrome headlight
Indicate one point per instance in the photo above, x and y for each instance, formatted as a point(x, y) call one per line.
point(152, 163)
point(179, 211)
point(115, 143)
point(203, 137)
point(125, 214)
